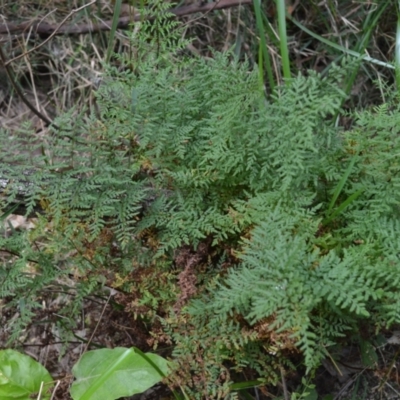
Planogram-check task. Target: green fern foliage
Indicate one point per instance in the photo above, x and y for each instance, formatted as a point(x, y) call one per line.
point(265, 230)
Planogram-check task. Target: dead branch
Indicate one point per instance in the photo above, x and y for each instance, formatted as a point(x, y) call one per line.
point(57, 28)
point(43, 29)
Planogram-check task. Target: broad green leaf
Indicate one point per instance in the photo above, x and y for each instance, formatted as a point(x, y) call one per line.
point(109, 374)
point(21, 377)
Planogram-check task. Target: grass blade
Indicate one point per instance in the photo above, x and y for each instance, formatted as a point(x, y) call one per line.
point(263, 54)
point(340, 185)
point(9, 211)
point(281, 11)
point(117, 12)
point(342, 206)
point(341, 48)
point(397, 51)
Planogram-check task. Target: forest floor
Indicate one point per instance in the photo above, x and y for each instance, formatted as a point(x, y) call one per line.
point(104, 322)
point(63, 74)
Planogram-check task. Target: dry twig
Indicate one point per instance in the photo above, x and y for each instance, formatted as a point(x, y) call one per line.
point(44, 29)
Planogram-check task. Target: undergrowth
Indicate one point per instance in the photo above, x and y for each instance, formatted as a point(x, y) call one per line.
point(255, 231)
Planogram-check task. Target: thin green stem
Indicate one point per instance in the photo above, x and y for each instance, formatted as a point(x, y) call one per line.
point(397, 51)
point(117, 12)
point(281, 11)
point(263, 54)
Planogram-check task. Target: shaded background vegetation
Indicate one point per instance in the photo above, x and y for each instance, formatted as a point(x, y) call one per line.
point(62, 73)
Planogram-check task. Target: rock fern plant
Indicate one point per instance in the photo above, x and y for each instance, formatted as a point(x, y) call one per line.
point(255, 228)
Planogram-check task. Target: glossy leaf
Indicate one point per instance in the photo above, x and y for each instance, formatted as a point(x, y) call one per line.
point(21, 377)
point(109, 374)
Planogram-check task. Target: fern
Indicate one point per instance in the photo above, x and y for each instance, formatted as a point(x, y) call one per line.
point(184, 163)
